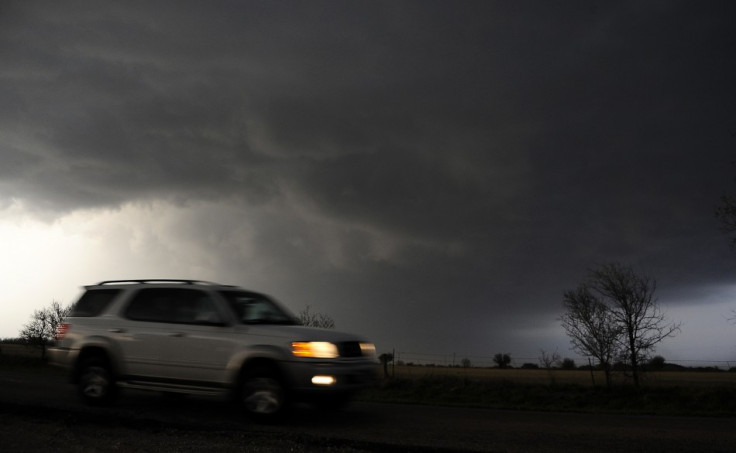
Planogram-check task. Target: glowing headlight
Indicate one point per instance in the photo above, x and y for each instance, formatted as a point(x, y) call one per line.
point(315, 349)
point(368, 348)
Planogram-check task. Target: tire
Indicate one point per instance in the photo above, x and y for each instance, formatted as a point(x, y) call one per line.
point(96, 385)
point(262, 394)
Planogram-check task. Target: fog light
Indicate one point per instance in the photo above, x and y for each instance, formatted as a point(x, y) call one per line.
point(323, 380)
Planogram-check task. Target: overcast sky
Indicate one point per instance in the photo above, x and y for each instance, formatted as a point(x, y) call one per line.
point(433, 175)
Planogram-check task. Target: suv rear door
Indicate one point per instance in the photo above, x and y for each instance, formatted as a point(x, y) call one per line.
point(186, 331)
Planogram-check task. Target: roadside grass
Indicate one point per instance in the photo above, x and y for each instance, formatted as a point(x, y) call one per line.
point(24, 358)
point(676, 393)
point(23, 363)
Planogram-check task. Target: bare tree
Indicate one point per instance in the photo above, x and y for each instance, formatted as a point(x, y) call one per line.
point(310, 319)
point(631, 303)
point(41, 329)
point(592, 328)
point(548, 360)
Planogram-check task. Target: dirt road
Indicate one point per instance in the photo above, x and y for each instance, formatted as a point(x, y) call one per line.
point(41, 411)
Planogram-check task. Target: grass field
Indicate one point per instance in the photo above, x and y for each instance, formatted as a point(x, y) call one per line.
point(20, 350)
point(576, 377)
point(670, 393)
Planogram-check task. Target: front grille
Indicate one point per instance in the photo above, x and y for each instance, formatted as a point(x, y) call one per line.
point(349, 349)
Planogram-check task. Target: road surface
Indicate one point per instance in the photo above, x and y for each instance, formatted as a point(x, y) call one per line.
point(34, 407)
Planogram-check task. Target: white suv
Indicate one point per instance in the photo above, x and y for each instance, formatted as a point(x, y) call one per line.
point(196, 337)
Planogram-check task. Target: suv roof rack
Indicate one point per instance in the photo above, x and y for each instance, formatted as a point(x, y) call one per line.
point(156, 280)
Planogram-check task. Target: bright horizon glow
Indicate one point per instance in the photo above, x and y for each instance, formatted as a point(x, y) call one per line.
point(36, 257)
point(50, 261)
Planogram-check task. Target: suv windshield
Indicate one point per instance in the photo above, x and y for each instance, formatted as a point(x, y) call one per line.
point(252, 308)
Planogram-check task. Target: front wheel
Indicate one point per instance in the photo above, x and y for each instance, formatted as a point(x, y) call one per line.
point(96, 385)
point(263, 394)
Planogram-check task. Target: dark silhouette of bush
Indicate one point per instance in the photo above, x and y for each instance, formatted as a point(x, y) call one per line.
point(385, 359)
point(568, 364)
point(502, 360)
point(656, 363)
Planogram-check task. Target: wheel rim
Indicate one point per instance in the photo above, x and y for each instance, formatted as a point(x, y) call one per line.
point(96, 383)
point(263, 396)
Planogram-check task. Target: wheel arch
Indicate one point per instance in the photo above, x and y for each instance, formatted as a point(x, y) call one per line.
point(266, 356)
point(261, 363)
point(94, 351)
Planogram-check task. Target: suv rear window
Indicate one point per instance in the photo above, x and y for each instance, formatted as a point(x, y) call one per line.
point(93, 302)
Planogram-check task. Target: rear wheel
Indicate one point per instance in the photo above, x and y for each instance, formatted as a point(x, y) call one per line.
point(96, 384)
point(262, 393)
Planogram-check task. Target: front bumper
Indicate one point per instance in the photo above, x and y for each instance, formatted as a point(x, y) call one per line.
point(347, 377)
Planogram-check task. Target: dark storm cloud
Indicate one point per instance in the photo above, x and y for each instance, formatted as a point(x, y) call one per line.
point(487, 152)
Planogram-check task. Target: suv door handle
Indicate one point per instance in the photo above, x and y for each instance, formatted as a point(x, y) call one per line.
point(177, 334)
point(116, 330)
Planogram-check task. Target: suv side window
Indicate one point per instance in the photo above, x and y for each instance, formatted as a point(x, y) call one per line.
point(251, 308)
point(93, 302)
point(173, 305)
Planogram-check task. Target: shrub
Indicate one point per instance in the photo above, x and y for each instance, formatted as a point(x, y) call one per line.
point(568, 364)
